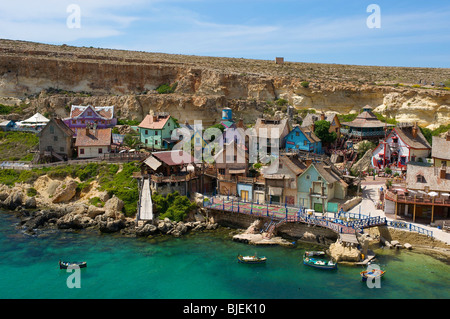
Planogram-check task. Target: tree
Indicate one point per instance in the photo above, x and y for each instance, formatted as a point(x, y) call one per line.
point(132, 141)
point(322, 130)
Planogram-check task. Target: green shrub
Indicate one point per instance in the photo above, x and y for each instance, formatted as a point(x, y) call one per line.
point(447, 83)
point(305, 84)
point(31, 192)
point(5, 109)
point(166, 88)
point(281, 102)
point(173, 206)
point(96, 201)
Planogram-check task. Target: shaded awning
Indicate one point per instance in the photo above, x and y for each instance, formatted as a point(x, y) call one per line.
point(153, 163)
point(275, 191)
point(236, 171)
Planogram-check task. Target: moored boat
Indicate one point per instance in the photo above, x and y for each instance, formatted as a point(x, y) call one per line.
point(314, 253)
point(372, 274)
point(72, 265)
point(251, 259)
point(319, 263)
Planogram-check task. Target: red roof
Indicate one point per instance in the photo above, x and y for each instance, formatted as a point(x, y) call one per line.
point(99, 137)
point(154, 122)
point(172, 158)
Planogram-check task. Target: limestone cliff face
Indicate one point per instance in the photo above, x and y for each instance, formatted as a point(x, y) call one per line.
point(204, 85)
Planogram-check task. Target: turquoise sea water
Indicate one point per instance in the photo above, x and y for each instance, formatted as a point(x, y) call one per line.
point(196, 266)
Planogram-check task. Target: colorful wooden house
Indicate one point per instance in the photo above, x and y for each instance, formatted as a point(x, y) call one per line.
point(91, 142)
point(332, 118)
point(303, 139)
point(366, 126)
point(320, 187)
point(80, 116)
point(55, 141)
point(404, 143)
point(440, 152)
point(281, 181)
point(156, 131)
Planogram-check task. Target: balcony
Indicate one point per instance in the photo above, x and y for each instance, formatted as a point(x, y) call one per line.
point(406, 199)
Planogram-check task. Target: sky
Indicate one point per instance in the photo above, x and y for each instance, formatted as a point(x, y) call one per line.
point(396, 33)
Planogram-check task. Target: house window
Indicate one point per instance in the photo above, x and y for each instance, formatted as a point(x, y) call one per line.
point(197, 140)
point(61, 149)
point(52, 129)
point(146, 141)
point(90, 113)
point(308, 177)
point(156, 133)
point(146, 132)
point(100, 150)
point(420, 179)
point(319, 178)
point(74, 121)
point(444, 163)
point(81, 150)
point(156, 142)
point(55, 138)
point(305, 143)
point(297, 134)
point(222, 171)
point(82, 121)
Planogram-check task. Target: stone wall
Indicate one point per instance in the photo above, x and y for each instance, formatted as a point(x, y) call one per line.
point(292, 230)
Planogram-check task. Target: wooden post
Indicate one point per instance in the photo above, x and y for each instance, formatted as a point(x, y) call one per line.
point(414, 212)
point(396, 199)
point(432, 209)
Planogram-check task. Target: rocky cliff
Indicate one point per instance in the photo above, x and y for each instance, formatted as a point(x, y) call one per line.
point(49, 78)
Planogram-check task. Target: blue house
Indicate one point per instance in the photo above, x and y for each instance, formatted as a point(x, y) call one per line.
point(301, 138)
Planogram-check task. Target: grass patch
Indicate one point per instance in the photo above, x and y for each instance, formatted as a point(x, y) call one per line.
point(15, 146)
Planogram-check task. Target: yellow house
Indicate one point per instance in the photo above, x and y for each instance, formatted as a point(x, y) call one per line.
point(440, 151)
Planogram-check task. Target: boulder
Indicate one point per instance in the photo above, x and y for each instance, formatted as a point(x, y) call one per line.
point(407, 246)
point(30, 203)
point(111, 226)
point(113, 207)
point(94, 211)
point(14, 200)
point(339, 252)
point(146, 230)
point(65, 192)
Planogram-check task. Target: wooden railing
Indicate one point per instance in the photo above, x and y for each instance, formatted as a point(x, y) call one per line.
point(110, 158)
point(291, 214)
point(400, 198)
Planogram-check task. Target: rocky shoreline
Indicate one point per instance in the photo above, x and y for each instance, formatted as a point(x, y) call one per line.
point(35, 221)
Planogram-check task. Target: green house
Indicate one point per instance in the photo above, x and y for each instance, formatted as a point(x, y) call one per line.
point(321, 188)
point(156, 131)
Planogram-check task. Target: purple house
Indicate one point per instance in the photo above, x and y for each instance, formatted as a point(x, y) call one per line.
point(80, 116)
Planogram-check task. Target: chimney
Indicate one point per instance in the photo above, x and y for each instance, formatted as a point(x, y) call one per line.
point(322, 116)
point(415, 130)
point(240, 123)
point(308, 162)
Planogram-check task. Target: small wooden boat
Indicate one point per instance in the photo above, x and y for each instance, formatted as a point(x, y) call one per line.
point(72, 265)
point(251, 259)
point(372, 274)
point(314, 253)
point(319, 263)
